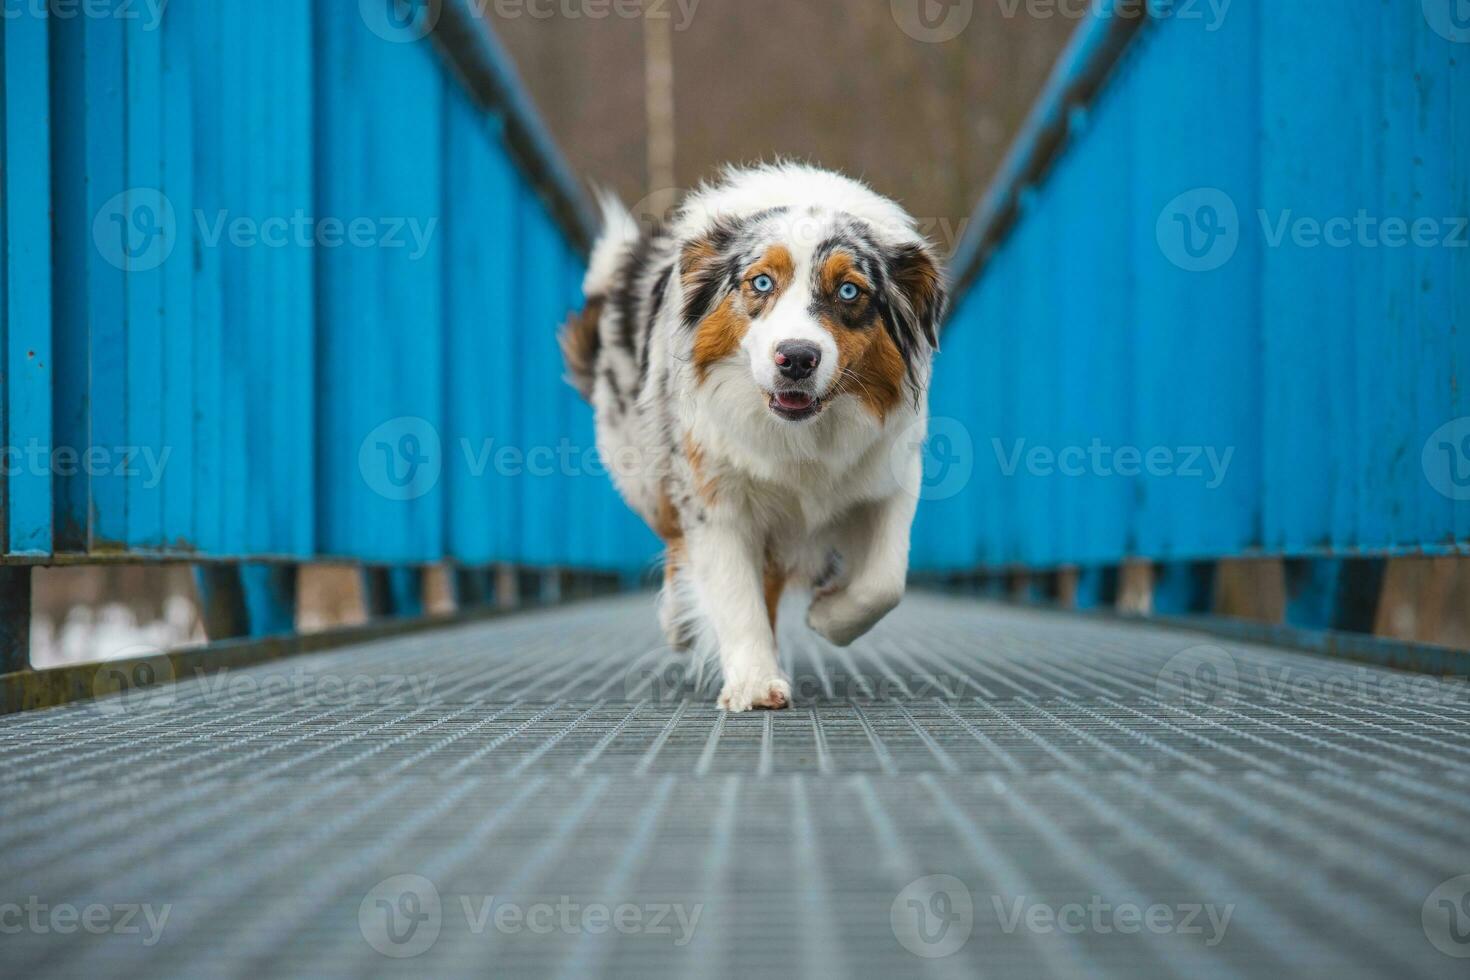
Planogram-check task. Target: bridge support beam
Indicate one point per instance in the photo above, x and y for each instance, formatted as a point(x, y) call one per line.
point(15, 618)
point(1097, 587)
point(393, 591)
point(473, 587)
point(1334, 593)
point(992, 585)
point(528, 585)
point(1184, 588)
point(1034, 588)
point(222, 603)
point(270, 598)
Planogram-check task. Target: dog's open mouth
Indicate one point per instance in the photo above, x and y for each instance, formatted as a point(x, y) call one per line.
point(795, 405)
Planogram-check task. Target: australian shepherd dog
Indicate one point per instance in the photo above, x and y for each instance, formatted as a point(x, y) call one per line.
point(758, 366)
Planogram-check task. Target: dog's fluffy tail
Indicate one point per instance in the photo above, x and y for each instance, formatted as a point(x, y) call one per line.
point(618, 235)
point(580, 337)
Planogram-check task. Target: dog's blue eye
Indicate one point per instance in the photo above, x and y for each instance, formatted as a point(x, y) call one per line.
point(763, 283)
point(847, 292)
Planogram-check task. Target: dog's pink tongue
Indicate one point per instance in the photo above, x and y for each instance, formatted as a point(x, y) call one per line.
point(794, 400)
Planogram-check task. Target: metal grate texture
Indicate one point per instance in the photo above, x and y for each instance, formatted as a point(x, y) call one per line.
point(973, 789)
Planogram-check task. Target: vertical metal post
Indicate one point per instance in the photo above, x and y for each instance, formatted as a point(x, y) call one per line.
point(222, 601)
point(1184, 588)
point(393, 591)
point(270, 598)
point(406, 586)
point(551, 586)
point(15, 618)
point(376, 601)
point(528, 585)
point(1097, 587)
point(473, 587)
point(1334, 593)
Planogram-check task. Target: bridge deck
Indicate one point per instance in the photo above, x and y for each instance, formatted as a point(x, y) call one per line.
point(552, 757)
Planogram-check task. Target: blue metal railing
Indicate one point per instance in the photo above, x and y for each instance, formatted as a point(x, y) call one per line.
point(1176, 340)
point(299, 295)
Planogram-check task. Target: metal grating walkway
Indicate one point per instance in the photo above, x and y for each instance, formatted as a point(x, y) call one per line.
point(1034, 794)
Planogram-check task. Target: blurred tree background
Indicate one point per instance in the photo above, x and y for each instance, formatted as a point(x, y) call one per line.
point(837, 82)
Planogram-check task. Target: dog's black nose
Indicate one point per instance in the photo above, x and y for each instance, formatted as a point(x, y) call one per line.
point(797, 360)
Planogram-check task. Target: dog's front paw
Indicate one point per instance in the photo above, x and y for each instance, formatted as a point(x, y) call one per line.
point(847, 614)
point(756, 691)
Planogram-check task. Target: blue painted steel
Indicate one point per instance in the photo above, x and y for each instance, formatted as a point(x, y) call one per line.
point(1183, 587)
point(306, 282)
point(1201, 304)
point(270, 597)
point(1336, 594)
point(1097, 587)
point(26, 362)
point(406, 587)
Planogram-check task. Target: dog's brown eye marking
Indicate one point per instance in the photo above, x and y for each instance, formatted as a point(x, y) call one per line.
point(842, 280)
point(769, 276)
point(718, 336)
point(869, 364)
point(704, 271)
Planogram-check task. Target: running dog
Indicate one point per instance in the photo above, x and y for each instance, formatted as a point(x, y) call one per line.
point(759, 367)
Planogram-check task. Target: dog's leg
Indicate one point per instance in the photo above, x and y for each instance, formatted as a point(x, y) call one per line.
point(875, 545)
point(727, 562)
point(676, 615)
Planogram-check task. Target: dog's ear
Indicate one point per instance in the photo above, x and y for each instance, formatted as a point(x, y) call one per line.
point(705, 271)
point(918, 297)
